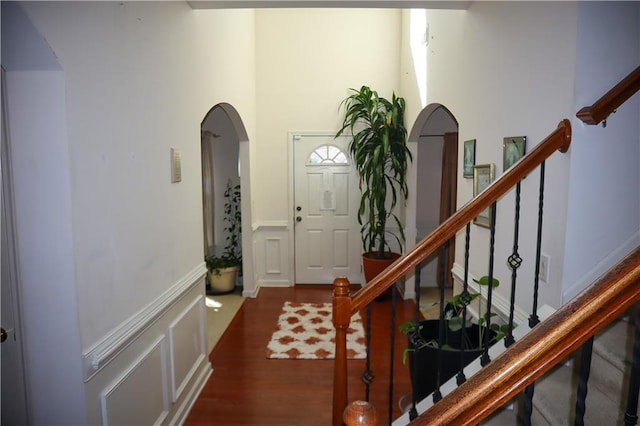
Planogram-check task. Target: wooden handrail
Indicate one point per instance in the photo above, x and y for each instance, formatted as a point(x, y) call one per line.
point(559, 139)
point(344, 306)
point(611, 100)
point(545, 346)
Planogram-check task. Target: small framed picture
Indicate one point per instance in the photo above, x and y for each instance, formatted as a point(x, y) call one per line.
point(469, 158)
point(513, 149)
point(482, 178)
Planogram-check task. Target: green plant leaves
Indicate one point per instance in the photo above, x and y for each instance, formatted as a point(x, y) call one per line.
point(462, 299)
point(232, 255)
point(379, 151)
point(453, 316)
point(485, 281)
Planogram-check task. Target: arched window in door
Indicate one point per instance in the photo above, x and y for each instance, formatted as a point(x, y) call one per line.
point(328, 155)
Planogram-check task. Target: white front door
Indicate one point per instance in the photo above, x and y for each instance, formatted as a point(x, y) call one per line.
point(326, 200)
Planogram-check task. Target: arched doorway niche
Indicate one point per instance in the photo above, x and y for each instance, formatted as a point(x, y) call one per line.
point(433, 140)
point(225, 145)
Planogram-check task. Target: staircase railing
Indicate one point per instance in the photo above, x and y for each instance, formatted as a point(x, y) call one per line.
point(541, 349)
point(549, 342)
point(345, 305)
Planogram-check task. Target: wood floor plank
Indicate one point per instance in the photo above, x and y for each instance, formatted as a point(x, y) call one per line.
point(247, 388)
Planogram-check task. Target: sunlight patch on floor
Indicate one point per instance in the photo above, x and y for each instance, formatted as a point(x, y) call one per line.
point(220, 311)
point(213, 303)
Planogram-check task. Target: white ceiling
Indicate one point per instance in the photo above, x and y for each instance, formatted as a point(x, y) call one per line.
point(396, 4)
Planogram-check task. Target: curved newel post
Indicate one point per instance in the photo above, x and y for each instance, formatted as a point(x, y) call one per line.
point(341, 319)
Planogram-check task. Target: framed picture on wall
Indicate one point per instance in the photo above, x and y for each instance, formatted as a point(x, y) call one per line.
point(469, 158)
point(482, 177)
point(513, 149)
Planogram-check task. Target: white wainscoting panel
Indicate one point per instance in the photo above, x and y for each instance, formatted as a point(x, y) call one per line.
point(152, 369)
point(186, 346)
point(274, 262)
point(145, 381)
point(111, 345)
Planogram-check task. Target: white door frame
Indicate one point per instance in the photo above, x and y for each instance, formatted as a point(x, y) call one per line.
point(19, 396)
point(291, 136)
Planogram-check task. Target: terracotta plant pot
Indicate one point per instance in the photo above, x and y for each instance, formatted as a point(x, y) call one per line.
point(373, 266)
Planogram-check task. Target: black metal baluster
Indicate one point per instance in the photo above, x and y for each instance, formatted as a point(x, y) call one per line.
point(514, 262)
point(416, 288)
point(533, 319)
point(631, 415)
point(461, 378)
point(394, 296)
point(367, 375)
point(437, 395)
point(528, 404)
point(485, 359)
point(413, 411)
point(585, 370)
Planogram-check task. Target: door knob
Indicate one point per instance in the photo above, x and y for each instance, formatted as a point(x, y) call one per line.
point(298, 219)
point(3, 334)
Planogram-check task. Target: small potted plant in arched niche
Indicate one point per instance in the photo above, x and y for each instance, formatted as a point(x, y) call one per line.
point(224, 269)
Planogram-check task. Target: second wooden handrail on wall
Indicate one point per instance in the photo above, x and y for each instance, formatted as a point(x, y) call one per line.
point(611, 100)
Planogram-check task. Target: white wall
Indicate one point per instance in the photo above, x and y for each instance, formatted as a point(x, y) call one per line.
point(307, 59)
point(507, 69)
point(45, 251)
point(604, 208)
point(412, 52)
point(39, 160)
point(136, 233)
point(117, 244)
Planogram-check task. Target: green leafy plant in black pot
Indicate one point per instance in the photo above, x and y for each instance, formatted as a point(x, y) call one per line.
point(378, 147)
point(423, 346)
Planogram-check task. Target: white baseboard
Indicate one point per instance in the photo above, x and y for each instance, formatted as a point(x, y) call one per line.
point(182, 411)
point(275, 283)
point(253, 293)
point(601, 267)
point(500, 305)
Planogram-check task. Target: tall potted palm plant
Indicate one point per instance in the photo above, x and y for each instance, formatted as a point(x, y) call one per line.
point(379, 150)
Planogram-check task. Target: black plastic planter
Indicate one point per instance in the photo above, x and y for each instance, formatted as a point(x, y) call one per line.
point(423, 363)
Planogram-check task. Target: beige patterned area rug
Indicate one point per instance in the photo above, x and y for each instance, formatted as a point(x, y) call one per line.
point(305, 331)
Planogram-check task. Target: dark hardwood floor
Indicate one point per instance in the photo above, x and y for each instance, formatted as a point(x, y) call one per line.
point(246, 388)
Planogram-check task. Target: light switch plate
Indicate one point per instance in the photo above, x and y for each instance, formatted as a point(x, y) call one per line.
point(544, 268)
point(176, 165)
